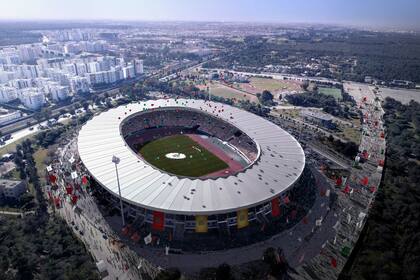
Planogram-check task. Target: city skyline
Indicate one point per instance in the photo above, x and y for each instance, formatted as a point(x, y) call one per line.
point(355, 13)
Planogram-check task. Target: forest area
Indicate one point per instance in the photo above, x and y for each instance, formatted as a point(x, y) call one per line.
point(40, 245)
point(385, 56)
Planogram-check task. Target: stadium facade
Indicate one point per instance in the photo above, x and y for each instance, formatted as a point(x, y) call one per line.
point(273, 162)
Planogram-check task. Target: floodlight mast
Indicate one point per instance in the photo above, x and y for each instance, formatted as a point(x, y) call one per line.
point(116, 161)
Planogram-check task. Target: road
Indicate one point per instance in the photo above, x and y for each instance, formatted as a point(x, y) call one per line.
point(281, 76)
point(17, 213)
point(301, 242)
point(17, 135)
point(329, 156)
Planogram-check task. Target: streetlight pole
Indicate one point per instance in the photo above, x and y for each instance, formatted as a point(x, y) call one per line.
point(116, 160)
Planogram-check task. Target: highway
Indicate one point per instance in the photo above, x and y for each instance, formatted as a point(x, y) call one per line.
point(15, 136)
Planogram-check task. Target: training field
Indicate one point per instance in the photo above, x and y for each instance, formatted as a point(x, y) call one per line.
point(198, 161)
point(275, 86)
point(218, 89)
point(334, 92)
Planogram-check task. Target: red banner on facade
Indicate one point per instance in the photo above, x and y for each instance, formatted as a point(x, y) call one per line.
point(365, 181)
point(275, 207)
point(52, 178)
point(346, 189)
point(158, 220)
point(74, 199)
point(69, 189)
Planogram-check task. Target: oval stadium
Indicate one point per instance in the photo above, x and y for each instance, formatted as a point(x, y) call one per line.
point(189, 167)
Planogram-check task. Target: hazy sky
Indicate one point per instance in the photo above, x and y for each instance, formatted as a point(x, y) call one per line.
point(356, 12)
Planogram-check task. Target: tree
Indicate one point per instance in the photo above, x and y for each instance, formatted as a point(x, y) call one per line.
point(223, 272)
point(63, 111)
point(37, 116)
point(85, 106)
point(169, 274)
point(45, 113)
point(266, 98)
point(305, 85)
point(390, 247)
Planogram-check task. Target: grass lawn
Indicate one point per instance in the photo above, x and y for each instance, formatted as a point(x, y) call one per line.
point(352, 134)
point(39, 157)
point(14, 174)
point(274, 85)
point(198, 161)
point(334, 92)
point(292, 113)
point(217, 89)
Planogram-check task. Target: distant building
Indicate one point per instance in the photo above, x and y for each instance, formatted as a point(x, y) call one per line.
point(11, 189)
point(8, 116)
point(94, 67)
point(81, 69)
point(138, 64)
point(79, 84)
point(7, 94)
point(32, 99)
point(129, 72)
point(6, 76)
point(368, 79)
point(29, 53)
point(59, 93)
point(21, 83)
point(70, 69)
point(318, 118)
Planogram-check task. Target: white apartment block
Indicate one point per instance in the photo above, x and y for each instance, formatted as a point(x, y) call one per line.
point(59, 93)
point(79, 84)
point(32, 98)
point(7, 94)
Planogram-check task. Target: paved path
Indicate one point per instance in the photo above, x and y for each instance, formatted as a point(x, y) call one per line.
point(89, 225)
point(353, 206)
point(299, 243)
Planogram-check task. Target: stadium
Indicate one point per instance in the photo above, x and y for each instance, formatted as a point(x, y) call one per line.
point(191, 168)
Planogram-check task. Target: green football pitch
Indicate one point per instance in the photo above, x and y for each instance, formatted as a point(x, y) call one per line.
point(198, 161)
point(334, 92)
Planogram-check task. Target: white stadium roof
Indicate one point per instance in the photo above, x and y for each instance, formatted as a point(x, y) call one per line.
point(279, 166)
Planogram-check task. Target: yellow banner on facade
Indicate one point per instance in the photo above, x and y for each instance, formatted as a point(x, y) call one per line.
point(201, 224)
point(242, 218)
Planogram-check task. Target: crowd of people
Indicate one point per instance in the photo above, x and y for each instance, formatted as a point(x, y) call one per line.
point(152, 124)
point(70, 191)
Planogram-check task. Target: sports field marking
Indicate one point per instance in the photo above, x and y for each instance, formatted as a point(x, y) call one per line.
point(198, 160)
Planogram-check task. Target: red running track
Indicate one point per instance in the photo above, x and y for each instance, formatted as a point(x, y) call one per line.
point(234, 166)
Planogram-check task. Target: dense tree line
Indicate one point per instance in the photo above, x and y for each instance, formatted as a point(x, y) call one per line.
point(389, 247)
point(328, 103)
point(190, 91)
point(266, 98)
point(385, 56)
point(40, 246)
point(348, 149)
point(25, 164)
point(12, 37)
